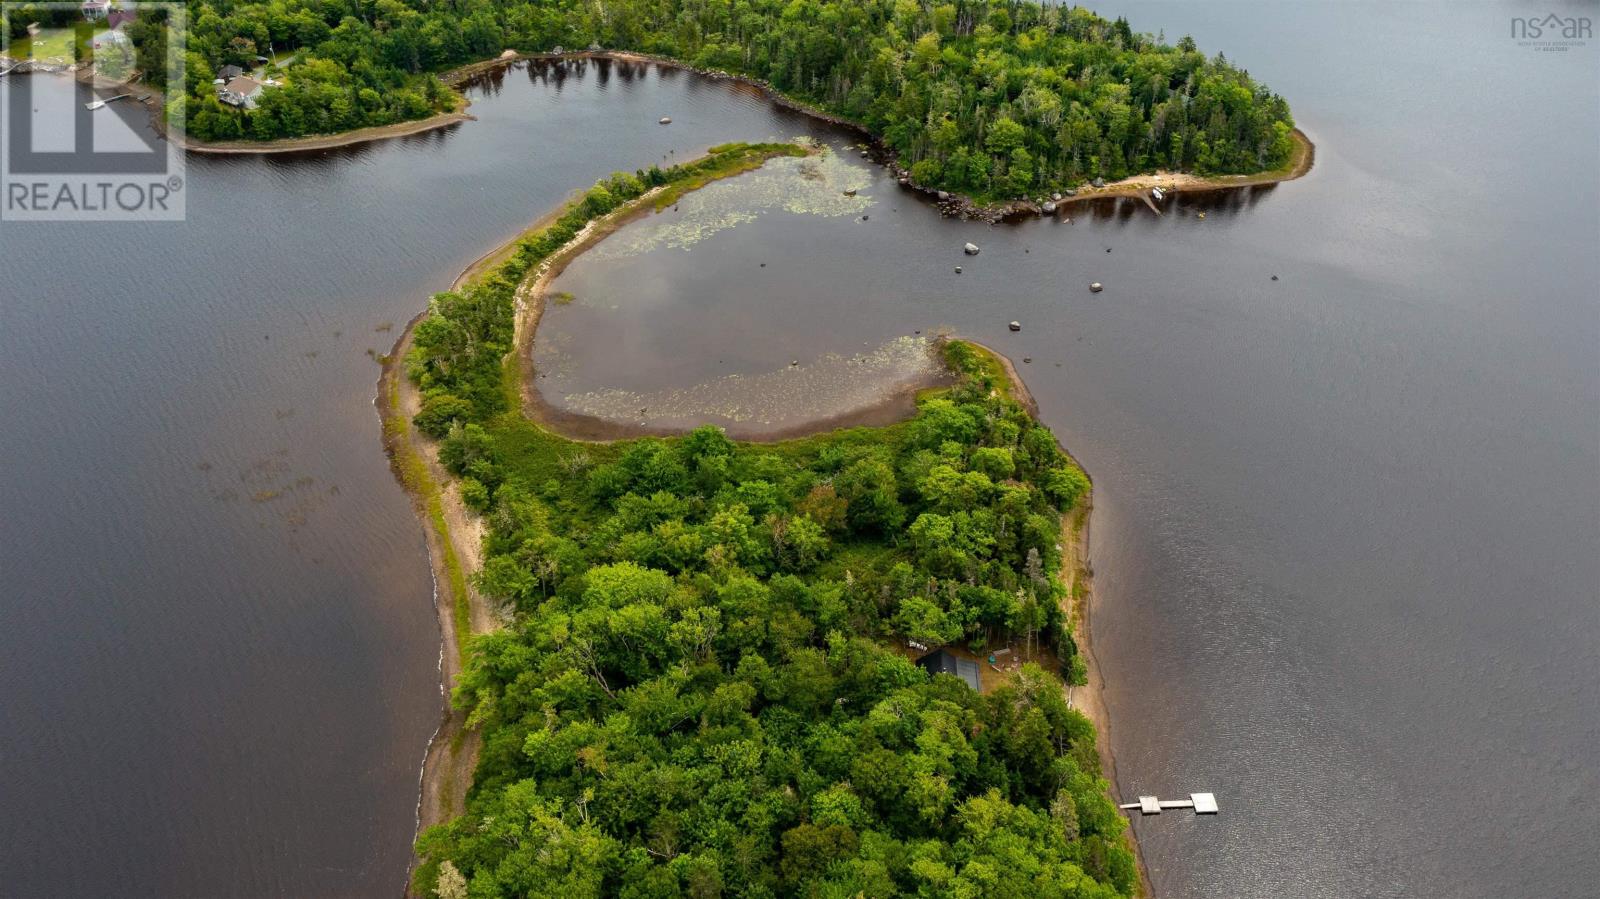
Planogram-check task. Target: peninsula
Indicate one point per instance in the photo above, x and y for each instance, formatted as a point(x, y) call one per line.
point(991, 100)
point(691, 664)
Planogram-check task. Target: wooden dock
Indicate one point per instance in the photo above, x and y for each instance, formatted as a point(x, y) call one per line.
point(1202, 803)
point(100, 104)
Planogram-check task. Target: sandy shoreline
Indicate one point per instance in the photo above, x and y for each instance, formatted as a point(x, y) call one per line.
point(454, 542)
point(1077, 574)
point(325, 142)
point(452, 79)
point(1138, 186)
point(155, 101)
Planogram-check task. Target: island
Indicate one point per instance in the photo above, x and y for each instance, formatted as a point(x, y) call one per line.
point(830, 665)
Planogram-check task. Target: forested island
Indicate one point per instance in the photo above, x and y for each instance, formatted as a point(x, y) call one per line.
point(704, 684)
point(991, 98)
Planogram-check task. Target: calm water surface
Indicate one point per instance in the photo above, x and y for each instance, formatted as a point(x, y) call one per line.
point(218, 651)
point(1346, 521)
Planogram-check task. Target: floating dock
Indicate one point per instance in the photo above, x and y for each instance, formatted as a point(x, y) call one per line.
point(1202, 803)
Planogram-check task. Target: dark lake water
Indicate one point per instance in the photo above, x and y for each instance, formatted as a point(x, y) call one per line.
point(1346, 523)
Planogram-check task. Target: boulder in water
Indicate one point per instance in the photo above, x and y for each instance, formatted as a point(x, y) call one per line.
point(971, 249)
point(1096, 287)
point(666, 120)
point(1015, 326)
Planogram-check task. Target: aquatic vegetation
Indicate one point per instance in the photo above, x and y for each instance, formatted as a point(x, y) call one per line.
point(809, 185)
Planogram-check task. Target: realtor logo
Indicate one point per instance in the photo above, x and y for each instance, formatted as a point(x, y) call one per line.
point(1551, 33)
point(79, 102)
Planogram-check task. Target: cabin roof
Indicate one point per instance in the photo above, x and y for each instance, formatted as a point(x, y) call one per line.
point(944, 662)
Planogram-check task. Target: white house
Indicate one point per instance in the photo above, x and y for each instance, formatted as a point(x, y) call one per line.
point(242, 92)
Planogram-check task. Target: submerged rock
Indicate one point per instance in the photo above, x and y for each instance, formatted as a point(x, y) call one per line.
point(666, 120)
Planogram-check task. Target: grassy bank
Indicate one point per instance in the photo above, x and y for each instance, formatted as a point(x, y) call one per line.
point(412, 468)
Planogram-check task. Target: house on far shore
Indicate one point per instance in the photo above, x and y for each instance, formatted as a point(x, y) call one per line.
point(96, 9)
point(945, 662)
point(242, 92)
point(228, 73)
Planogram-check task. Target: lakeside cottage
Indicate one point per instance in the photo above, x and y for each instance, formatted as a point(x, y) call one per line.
point(96, 9)
point(228, 73)
point(242, 92)
point(945, 662)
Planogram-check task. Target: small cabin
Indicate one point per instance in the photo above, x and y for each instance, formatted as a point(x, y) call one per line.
point(229, 72)
point(945, 662)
